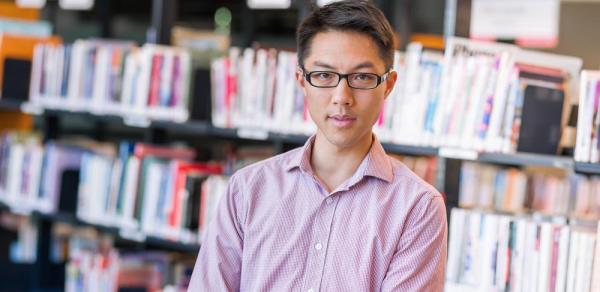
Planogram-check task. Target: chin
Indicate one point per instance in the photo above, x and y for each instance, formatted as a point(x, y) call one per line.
point(342, 139)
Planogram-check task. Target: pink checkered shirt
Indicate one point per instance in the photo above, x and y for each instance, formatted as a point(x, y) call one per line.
point(277, 229)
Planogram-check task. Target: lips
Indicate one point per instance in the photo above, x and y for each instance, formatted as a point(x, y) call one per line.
point(341, 121)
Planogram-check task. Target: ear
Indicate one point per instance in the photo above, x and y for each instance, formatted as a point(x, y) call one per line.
point(390, 82)
point(300, 79)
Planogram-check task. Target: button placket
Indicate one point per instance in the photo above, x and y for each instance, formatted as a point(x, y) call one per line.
point(324, 234)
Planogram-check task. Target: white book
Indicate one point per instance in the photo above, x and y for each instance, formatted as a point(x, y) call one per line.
point(489, 251)
point(128, 76)
point(280, 96)
point(49, 70)
point(59, 54)
point(563, 259)
point(507, 125)
point(530, 268)
point(587, 120)
point(390, 102)
point(15, 174)
point(595, 285)
point(35, 175)
point(517, 265)
point(248, 84)
point(545, 254)
point(131, 182)
point(586, 255)
point(219, 90)
point(289, 92)
point(143, 82)
point(74, 95)
point(474, 102)
point(493, 138)
point(584, 106)
point(503, 258)
point(260, 95)
point(270, 90)
point(115, 181)
point(101, 75)
point(36, 73)
point(104, 185)
point(594, 153)
point(408, 131)
point(573, 261)
point(455, 244)
point(471, 270)
point(84, 188)
point(150, 195)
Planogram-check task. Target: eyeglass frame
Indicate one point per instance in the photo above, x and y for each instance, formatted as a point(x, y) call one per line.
point(380, 79)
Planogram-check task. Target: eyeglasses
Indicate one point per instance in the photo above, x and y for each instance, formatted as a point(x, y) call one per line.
point(329, 79)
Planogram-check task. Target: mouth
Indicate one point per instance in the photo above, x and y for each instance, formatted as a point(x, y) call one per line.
point(341, 121)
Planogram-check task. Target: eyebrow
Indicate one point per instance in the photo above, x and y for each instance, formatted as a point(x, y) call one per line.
point(357, 67)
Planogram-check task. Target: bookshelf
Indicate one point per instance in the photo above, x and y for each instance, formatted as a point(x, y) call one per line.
point(158, 132)
point(204, 128)
point(587, 168)
point(143, 243)
point(8, 104)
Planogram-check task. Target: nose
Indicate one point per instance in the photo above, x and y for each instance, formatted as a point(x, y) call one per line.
point(342, 94)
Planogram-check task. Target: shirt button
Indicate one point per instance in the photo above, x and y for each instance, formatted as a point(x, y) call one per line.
point(329, 201)
point(318, 246)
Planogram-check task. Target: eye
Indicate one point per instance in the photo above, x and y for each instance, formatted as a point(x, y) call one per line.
point(322, 75)
point(364, 77)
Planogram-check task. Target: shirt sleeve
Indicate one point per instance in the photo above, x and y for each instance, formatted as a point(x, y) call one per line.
point(420, 260)
point(218, 266)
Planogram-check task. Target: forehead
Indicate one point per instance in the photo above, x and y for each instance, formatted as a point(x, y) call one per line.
point(343, 50)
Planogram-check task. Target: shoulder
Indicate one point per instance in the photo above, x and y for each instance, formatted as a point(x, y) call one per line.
point(410, 183)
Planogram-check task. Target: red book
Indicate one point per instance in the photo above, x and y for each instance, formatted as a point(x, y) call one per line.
point(154, 92)
point(183, 170)
point(141, 150)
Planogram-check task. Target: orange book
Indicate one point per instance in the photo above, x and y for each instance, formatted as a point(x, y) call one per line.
point(21, 48)
point(12, 120)
point(11, 10)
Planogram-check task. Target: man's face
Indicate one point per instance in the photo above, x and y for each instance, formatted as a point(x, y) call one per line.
point(344, 115)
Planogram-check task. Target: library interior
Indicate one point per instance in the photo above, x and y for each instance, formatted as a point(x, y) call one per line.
point(121, 123)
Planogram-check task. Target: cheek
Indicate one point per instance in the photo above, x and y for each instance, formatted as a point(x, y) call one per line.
point(316, 99)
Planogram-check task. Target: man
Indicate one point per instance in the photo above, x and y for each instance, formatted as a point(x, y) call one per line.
point(337, 214)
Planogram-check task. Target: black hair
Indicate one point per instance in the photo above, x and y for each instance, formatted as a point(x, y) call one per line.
point(352, 15)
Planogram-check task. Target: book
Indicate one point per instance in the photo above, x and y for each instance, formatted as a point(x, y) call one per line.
point(587, 145)
point(522, 253)
point(104, 76)
point(16, 54)
point(546, 191)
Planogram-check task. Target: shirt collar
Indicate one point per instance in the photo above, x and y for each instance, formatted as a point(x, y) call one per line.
point(376, 163)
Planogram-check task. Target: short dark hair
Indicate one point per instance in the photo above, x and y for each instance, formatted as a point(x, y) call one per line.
point(353, 15)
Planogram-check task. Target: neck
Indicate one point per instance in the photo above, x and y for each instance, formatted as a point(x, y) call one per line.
point(333, 164)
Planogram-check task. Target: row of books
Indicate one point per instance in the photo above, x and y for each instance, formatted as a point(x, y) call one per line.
point(478, 96)
point(588, 145)
point(514, 190)
point(424, 166)
point(141, 189)
point(490, 252)
point(94, 264)
point(112, 77)
point(14, 26)
point(257, 89)
point(24, 247)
